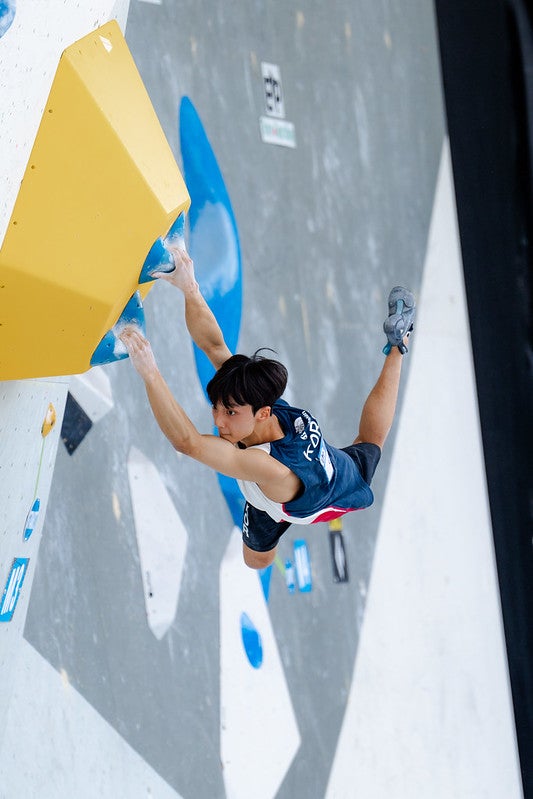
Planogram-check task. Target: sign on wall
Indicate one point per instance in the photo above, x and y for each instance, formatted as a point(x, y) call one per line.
point(274, 127)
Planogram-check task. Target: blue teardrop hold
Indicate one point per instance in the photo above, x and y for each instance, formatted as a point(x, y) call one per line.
point(111, 348)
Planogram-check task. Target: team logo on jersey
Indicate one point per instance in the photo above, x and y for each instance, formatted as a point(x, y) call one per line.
point(299, 425)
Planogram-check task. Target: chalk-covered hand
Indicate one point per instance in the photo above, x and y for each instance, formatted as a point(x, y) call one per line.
point(183, 275)
point(140, 352)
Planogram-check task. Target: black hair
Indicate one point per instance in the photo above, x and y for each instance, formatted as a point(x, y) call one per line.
point(241, 380)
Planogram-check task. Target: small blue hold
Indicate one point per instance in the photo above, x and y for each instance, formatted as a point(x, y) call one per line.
point(177, 231)
point(31, 519)
point(7, 15)
point(133, 313)
point(111, 347)
point(159, 258)
point(302, 565)
point(251, 641)
point(289, 576)
point(265, 576)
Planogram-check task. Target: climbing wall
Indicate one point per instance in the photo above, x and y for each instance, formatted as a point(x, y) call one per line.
point(149, 660)
point(31, 410)
point(88, 210)
point(29, 435)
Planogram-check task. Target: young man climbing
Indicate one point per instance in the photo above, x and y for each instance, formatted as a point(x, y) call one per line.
point(285, 469)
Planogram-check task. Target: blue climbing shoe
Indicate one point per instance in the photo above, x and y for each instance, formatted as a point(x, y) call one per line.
point(400, 319)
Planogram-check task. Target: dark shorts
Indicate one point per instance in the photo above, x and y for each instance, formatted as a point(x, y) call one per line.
point(261, 533)
point(366, 458)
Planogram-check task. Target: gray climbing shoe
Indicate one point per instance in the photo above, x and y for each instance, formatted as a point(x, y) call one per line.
point(400, 319)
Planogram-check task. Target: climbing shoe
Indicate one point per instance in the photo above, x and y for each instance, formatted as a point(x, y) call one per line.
point(400, 319)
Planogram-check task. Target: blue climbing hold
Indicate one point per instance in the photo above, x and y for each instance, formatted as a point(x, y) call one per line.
point(159, 258)
point(251, 641)
point(213, 237)
point(289, 576)
point(215, 249)
point(302, 565)
point(265, 577)
point(7, 15)
point(31, 519)
point(233, 496)
point(176, 234)
point(111, 347)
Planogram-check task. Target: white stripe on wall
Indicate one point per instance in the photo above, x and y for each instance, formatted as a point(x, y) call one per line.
point(429, 714)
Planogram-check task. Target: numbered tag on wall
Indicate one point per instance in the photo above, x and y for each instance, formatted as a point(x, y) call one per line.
point(274, 127)
point(275, 106)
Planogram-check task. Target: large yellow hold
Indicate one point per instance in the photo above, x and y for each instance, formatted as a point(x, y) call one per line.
point(100, 187)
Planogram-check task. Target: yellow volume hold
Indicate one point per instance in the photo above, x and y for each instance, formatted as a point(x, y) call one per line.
point(100, 187)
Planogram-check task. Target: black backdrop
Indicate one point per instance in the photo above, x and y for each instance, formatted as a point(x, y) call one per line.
point(487, 69)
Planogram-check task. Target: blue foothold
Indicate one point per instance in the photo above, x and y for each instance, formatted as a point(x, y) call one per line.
point(251, 641)
point(289, 577)
point(31, 519)
point(302, 565)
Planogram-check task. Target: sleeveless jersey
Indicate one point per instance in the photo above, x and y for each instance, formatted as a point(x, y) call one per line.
point(332, 483)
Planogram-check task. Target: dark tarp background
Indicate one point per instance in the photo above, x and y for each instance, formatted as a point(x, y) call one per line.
point(487, 66)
